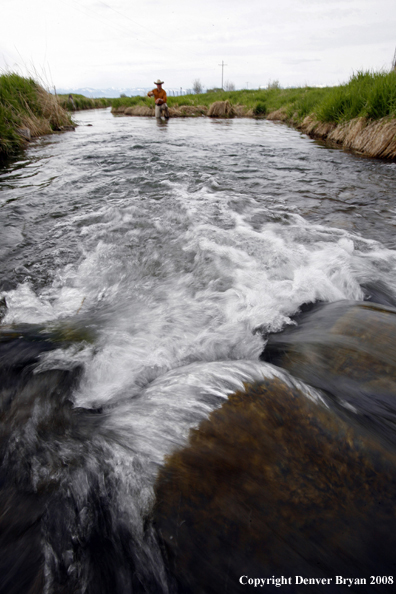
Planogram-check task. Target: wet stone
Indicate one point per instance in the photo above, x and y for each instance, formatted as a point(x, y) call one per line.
point(274, 483)
point(348, 349)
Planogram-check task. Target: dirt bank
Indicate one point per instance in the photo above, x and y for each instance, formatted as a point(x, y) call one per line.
point(376, 139)
point(370, 138)
point(183, 111)
point(219, 109)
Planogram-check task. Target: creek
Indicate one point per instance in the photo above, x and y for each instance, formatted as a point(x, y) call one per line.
point(143, 265)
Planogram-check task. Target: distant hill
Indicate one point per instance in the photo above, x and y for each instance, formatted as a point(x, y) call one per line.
point(114, 93)
point(110, 93)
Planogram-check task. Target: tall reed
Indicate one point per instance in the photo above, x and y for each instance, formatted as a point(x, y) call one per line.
point(25, 104)
point(370, 95)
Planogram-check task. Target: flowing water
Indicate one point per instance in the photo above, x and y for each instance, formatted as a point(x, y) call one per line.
point(162, 254)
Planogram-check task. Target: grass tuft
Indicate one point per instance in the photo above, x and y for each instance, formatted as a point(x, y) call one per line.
point(25, 104)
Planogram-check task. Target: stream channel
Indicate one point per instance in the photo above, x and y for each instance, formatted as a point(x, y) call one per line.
point(143, 265)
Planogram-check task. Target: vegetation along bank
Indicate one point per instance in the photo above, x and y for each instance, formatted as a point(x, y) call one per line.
point(359, 115)
point(78, 102)
point(27, 110)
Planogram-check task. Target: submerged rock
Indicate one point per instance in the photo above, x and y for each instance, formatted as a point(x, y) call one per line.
point(277, 484)
point(348, 349)
point(67, 128)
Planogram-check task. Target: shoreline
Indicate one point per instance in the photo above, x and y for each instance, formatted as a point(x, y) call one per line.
point(27, 111)
point(369, 138)
point(358, 116)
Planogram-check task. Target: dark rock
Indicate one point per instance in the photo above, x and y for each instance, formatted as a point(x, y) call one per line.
point(274, 484)
point(348, 349)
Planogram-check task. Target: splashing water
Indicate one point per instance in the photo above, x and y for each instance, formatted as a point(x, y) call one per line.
point(179, 248)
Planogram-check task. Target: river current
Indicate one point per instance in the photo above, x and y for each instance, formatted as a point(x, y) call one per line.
point(173, 248)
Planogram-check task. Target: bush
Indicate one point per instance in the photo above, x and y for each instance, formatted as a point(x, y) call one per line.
point(260, 109)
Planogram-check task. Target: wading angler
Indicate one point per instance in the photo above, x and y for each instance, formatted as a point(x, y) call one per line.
point(161, 107)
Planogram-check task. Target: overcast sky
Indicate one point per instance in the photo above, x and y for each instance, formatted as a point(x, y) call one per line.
point(130, 43)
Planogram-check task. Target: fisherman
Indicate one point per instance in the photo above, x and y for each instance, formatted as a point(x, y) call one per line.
point(160, 100)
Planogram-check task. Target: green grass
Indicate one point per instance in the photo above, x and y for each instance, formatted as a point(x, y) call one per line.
point(260, 109)
point(17, 95)
point(262, 101)
point(131, 101)
point(25, 104)
point(367, 94)
point(81, 102)
point(9, 139)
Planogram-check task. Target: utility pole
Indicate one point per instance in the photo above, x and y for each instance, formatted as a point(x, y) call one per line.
point(394, 62)
point(222, 71)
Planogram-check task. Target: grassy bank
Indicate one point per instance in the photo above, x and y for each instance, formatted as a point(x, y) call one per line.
point(80, 102)
point(369, 95)
point(244, 102)
point(26, 110)
point(359, 115)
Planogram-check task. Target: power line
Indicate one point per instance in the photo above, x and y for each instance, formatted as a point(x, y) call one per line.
point(124, 28)
point(91, 14)
point(127, 17)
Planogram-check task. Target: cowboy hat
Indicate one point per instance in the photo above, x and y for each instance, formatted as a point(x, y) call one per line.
point(159, 82)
